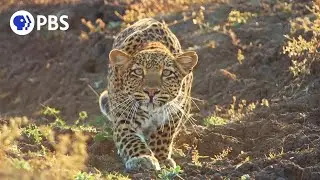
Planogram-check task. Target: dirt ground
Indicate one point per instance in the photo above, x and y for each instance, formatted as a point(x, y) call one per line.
point(62, 71)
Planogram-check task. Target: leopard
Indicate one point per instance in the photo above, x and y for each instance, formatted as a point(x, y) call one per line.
point(148, 93)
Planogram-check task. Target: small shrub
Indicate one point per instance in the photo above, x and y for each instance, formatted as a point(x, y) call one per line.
point(247, 159)
point(52, 112)
point(234, 112)
point(240, 56)
point(236, 17)
point(68, 156)
point(104, 135)
point(99, 26)
point(222, 155)
point(21, 164)
point(304, 52)
point(273, 155)
point(195, 156)
point(84, 176)
point(215, 121)
point(171, 173)
point(199, 18)
point(32, 131)
point(116, 176)
point(245, 177)
point(82, 116)
point(78, 124)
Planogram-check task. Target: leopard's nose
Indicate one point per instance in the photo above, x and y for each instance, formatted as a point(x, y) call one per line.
point(151, 92)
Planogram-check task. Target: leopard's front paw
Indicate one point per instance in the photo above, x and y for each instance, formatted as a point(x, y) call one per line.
point(142, 162)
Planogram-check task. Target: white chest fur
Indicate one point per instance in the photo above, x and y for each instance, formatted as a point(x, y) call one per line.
point(156, 118)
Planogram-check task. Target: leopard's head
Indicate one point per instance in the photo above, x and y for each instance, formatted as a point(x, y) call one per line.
point(153, 76)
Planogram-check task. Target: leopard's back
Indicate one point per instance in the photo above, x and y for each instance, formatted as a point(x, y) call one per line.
point(145, 31)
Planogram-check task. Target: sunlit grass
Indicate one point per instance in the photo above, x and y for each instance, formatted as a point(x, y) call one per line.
point(68, 158)
point(7, 4)
point(149, 8)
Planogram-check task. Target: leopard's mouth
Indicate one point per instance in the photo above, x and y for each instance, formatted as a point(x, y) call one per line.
point(152, 102)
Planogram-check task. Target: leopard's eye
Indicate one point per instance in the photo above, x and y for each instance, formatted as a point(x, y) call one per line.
point(138, 71)
point(166, 72)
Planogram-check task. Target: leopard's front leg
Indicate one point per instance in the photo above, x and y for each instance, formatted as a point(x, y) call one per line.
point(133, 148)
point(161, 142)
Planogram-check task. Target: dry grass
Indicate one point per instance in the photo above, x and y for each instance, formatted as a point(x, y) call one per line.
point(8, 4)
point(149, 8)
point(237, 110)
point(64, 162)
point(303, 50)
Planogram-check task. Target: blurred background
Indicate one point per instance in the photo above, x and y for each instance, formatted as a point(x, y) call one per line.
point(256, 88)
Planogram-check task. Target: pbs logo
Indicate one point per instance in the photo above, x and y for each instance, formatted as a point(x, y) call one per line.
point(22, 22)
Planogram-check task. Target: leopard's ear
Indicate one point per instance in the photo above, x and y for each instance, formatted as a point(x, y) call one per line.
point(118, 57)
point(187, 61)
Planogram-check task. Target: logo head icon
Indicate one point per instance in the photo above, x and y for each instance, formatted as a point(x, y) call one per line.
point(22, 22)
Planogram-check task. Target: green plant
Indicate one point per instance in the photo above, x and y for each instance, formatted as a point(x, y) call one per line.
point(247, 159)
point(222, 155)
point(52, 112)
point(245, 177)
point(195, 156)
point(84, 176)
point(240, 56)
point(104, 135)
point(239, 109)
point(98, 26)
point(21, 164)
point(105, 132)
point(273, 155)
point(215, 121)
point(67, 157)
point(297, 48)
point(82, 116)
point(32, 131)
point(170, 173)
point(78, 124)
point(304, 52)
point(116, 176)
point(233, 112)
point(199, 19)
point(236, 17)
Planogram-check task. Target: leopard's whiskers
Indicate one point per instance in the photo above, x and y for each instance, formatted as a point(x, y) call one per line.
point(172, 109)
point(128, 105)
point(130, 110)
point(193, 99)
point(125, 102)
point(135, 109)
point(188, 117)
point(108, 112)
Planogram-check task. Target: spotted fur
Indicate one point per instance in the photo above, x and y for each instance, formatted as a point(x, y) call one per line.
point(148, 93)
